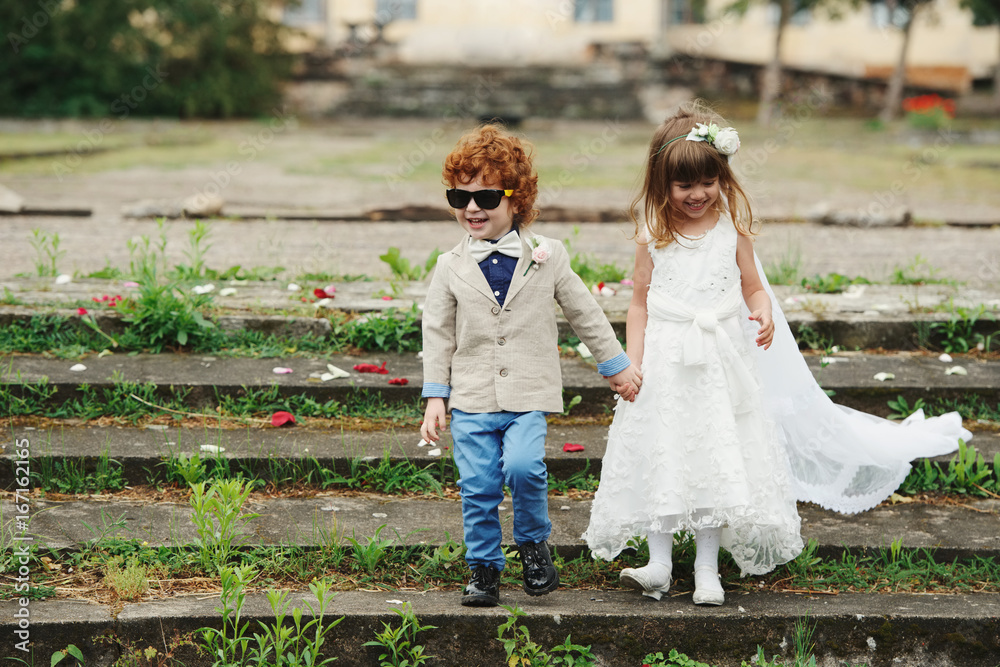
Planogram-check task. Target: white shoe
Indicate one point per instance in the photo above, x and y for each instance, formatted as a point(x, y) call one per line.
point(653, 579)
point(708, 587)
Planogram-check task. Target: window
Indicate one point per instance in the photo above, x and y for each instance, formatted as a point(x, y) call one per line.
point(593, 11)
point(679, 12)
point(889, 14)
point(395, 10)
point(306, 12)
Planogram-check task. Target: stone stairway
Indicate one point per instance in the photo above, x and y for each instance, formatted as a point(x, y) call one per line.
point(621, 626)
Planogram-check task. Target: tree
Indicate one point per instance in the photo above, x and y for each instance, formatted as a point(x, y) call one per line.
point(986, 13)
point(770, 85)
point(894, 91)
point(118, 58)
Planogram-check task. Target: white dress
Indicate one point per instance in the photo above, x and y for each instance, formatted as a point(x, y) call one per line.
point(724, 433)
point(695, 449)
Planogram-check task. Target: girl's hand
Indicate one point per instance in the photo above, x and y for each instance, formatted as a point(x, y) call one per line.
point(626, 391)
point(766, 332)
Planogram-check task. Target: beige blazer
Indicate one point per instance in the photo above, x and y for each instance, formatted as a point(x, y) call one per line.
point(506, 358)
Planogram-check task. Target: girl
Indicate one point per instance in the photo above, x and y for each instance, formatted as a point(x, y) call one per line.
point(724, 435)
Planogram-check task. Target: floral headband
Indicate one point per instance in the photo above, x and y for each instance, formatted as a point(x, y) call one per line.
point(725, 140)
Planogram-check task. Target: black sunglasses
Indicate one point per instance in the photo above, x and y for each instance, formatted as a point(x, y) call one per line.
point(486, 199)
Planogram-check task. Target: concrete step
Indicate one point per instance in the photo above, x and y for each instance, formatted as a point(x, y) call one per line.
point(204, 378)
point(865, 316)
point(898, 630)
point(141, 451)
point(61, 522)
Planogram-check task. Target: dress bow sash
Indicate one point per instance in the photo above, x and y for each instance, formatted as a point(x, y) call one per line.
point(705, 326)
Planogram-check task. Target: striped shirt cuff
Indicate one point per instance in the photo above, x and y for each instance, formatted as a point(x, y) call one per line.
point(435, 390)
point(612, 366)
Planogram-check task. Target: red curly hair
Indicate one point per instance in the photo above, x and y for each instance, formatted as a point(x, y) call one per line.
point(501, 160)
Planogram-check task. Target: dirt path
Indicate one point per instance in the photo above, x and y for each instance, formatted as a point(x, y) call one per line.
point(353, 166)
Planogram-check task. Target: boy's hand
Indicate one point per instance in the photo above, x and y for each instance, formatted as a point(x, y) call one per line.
point(766, 332)
point(434, 418)
point(629, 381)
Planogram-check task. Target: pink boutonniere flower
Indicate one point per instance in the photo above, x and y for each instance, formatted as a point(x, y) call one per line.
point(539, 254)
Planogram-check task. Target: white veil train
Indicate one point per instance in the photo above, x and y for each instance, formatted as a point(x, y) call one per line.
point(839, 458)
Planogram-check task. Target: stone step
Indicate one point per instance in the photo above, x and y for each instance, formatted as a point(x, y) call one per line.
point(141, 452)
point(67, 522)
point(863, 317)
point(851, 376)
point(621, 627)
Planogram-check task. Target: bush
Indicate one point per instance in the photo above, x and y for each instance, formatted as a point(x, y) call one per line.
point(114, 58)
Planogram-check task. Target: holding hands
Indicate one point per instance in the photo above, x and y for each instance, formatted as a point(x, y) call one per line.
point(627, 383)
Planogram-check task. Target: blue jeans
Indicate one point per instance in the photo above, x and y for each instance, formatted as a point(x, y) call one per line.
point(493, 449)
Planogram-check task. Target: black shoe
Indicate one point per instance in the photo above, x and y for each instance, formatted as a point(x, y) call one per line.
point(540, 575)
point(483, 589)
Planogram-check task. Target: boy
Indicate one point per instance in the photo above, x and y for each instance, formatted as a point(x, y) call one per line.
point(490, 348)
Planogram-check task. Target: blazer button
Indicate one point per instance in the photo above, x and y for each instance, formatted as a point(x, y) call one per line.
point(502, 341)
point(496, 310)
point(503, 372)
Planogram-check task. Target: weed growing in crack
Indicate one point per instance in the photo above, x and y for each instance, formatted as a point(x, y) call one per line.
point(218, 515)
point(400, 643)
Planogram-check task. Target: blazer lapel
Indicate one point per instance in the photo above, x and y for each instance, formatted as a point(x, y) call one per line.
point(521, 272)
point(468, 271)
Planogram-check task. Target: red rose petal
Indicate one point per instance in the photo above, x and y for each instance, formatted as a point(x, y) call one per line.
point(280, 418)
point(81, 311)
point(570, 447)
point(319, 293)
point(371, 368)
point(399, 381)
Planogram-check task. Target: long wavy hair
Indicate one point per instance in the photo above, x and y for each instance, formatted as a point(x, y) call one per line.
point(686, 162)
point(500, 159)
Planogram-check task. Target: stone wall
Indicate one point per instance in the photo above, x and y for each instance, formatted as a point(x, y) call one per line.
point(608, 87)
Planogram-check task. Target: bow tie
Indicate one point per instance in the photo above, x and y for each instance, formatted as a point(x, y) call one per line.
point(509, 245)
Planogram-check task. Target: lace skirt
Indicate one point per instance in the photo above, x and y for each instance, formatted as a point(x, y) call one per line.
point(683, 457)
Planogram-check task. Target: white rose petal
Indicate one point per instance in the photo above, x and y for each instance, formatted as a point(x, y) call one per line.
point(292, 287)
point(77, 368)
point(394, 601)
point(422, 443)
point(324, 303)
point(325, 377)
point(956, 370)
point(281, 370)
point(854, 291)
point(379, 515)
point(203, 289)
point(882, 377)
point(212, 449)
point(946, 358)
point(337, 372)
point(434, 452)
point(584, 351)
point(227, 291)
point(63, 279)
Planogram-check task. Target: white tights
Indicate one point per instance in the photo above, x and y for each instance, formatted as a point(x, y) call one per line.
point(706, 542)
